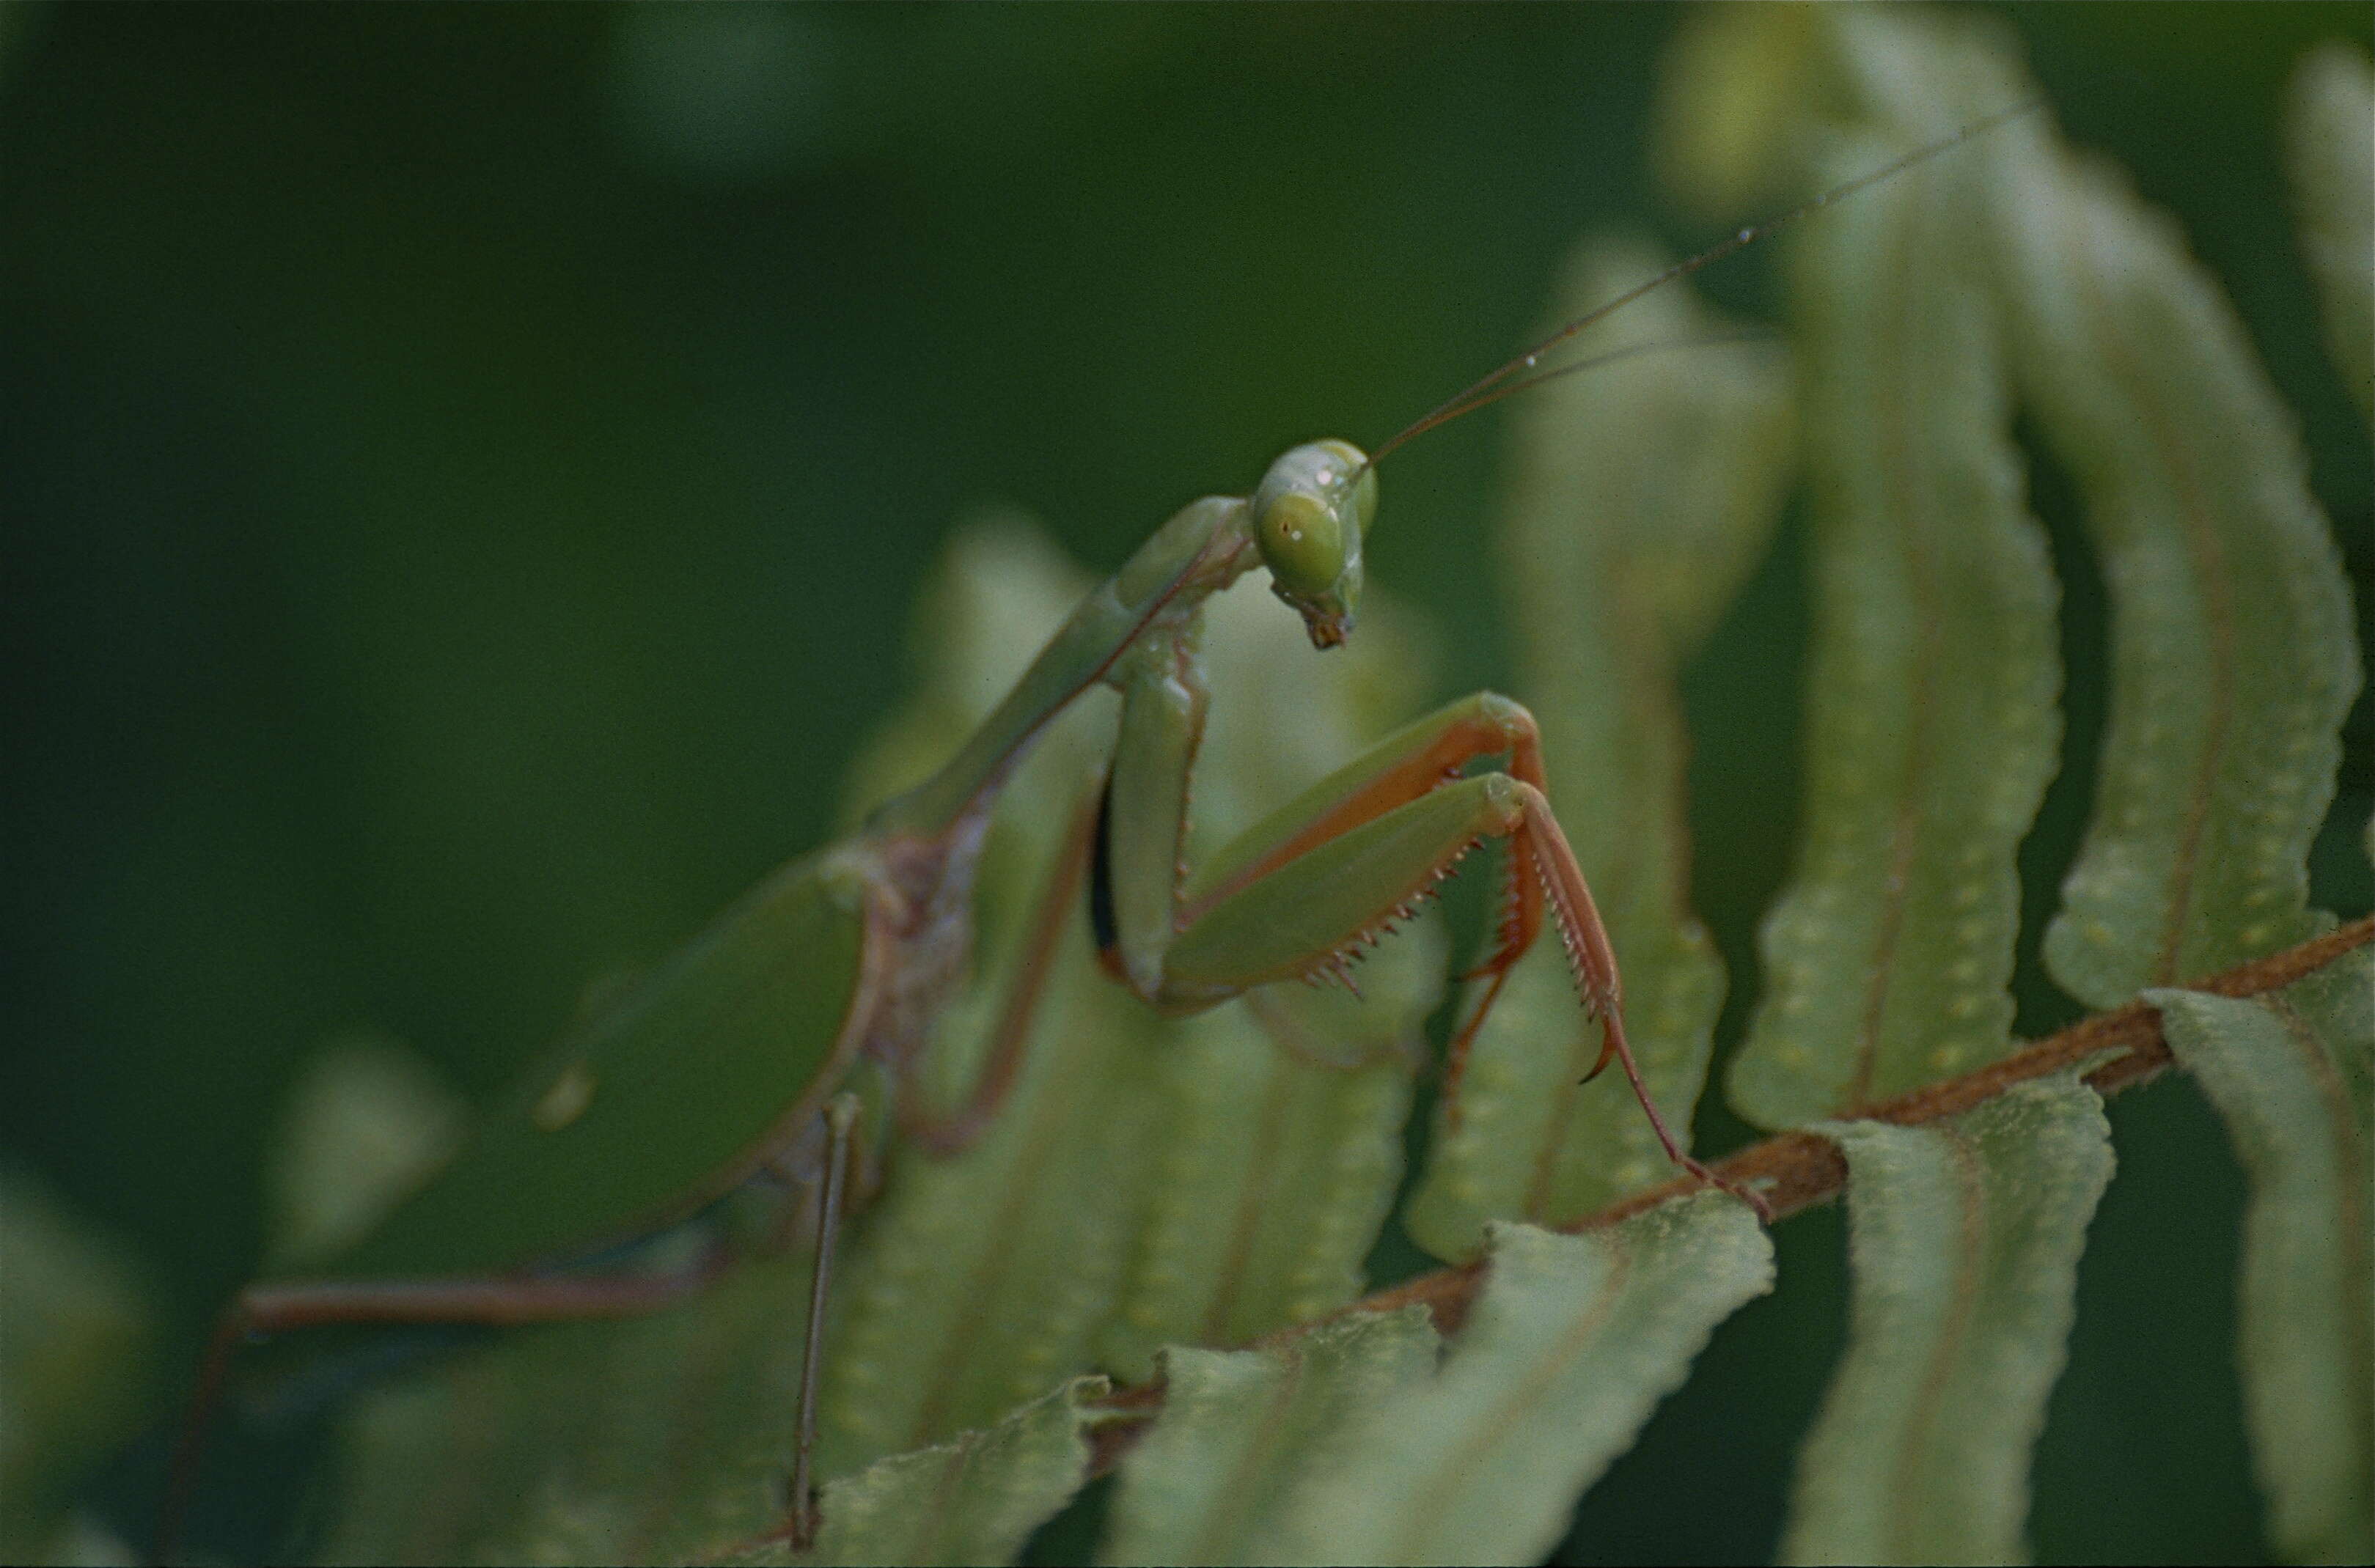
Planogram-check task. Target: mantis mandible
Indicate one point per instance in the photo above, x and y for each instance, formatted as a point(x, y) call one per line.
point(766, 1042)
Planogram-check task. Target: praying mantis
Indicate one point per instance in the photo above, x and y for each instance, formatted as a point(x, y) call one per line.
point(779, 1043)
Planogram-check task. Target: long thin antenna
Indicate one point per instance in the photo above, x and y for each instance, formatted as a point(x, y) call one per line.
point(1491, 394)
point(1475, 394)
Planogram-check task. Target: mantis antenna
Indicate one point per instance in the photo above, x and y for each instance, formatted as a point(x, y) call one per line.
point(1495, 384)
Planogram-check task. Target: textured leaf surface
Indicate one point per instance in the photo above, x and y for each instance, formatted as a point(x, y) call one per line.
point(2332, 125)
point(1646, 490)
point(1272, 1173)
point(667, 1439)
point(74, 1363)
point(2293, 1074)
point(975, 1499)
point(1240, 1429)
point(1572, 1344)
point(1932, 723)
point(2233, 659)
point(1963, 1242)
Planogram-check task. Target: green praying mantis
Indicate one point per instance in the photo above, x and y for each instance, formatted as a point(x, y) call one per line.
point(777, 1044)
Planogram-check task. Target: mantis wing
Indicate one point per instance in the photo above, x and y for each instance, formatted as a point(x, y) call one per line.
point(666, 1100)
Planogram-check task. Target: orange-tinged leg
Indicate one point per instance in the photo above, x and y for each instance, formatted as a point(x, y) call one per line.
point(266, 1309)
point(1330, 871)
point(1543, 844)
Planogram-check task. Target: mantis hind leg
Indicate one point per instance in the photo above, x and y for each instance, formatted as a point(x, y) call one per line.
point(262, 1310)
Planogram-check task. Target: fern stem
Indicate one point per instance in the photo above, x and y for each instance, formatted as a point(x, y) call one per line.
point(1798, 1171)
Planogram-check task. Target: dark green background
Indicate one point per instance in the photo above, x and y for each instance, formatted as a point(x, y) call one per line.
point(465, 472)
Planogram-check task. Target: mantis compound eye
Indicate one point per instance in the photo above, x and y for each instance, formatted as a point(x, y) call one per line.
point(1303, 543)
point(1309, 518)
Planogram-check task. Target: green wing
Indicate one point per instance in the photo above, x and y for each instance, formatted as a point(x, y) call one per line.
point(662, 1102)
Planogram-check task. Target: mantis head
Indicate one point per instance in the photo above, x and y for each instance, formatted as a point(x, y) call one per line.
point(1308, 517)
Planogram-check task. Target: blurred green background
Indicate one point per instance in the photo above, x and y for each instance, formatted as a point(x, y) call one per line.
point(465, 472)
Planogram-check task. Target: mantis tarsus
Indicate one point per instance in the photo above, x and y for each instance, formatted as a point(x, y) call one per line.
point(805, 1003)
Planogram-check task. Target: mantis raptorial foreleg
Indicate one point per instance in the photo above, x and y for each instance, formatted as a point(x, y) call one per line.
point(1305, 891)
